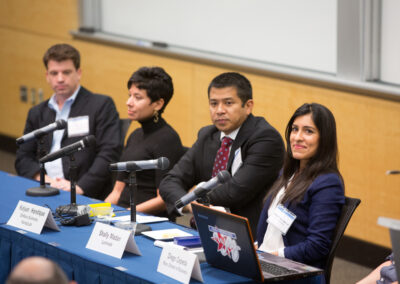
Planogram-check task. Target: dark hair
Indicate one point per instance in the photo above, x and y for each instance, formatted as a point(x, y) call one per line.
point(61, 52)
point(233, 79)
point(324, 161)
point(156, 82)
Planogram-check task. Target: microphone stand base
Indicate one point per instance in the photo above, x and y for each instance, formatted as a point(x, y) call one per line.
point(42, 191)
point(70, 209)
point(132, 226)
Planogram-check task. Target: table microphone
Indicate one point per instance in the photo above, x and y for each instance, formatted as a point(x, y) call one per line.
point(203, 188)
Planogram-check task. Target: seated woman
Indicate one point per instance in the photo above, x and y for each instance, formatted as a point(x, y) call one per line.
point(150, 90)
point(301, 209)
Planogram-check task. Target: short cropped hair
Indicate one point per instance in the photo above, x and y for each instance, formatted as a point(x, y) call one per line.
point(156, 82)
point(236, 80)
point(47, 272)
point(61, 52)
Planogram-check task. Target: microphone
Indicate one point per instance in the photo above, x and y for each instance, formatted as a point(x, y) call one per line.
point(59, 124)
point(88, 141)
point(160, 163)
point(202, 189)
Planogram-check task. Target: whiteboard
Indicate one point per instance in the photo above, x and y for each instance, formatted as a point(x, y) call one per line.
point(390, 42)
point(299, 34)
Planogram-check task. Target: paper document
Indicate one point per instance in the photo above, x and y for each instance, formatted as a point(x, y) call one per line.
point(141, 219)
point(166, 234)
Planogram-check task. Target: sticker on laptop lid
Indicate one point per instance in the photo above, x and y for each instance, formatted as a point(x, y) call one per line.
point(226, 242)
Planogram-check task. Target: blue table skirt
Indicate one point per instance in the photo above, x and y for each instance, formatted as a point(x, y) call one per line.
point(68, 247)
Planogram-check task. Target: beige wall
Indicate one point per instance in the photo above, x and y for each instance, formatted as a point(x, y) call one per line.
point(368, 128)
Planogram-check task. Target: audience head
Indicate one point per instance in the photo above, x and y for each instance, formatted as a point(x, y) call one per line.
point(62, 52)
point(37, 269)
point(153, 83)
point(230, 101)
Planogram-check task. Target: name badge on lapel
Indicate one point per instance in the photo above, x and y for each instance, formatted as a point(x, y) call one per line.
point(78, 126)
point(282, 218)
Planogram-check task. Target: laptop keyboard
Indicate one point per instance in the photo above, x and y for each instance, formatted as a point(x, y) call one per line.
point(275, 269)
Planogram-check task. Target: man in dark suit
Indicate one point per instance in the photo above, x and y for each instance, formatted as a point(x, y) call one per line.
point(86, 113)
point(255, 153)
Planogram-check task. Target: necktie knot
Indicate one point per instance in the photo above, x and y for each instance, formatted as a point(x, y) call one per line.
point(226, 141)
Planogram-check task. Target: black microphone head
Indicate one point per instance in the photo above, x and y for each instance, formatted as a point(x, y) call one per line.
point(61, 124)
point(163, 163)
point(223, 176)
point(89, 141)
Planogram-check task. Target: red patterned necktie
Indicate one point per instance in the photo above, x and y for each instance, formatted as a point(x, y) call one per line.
point(221, 160)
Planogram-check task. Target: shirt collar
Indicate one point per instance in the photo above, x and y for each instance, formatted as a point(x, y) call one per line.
point(231, 135)
point(53, 103)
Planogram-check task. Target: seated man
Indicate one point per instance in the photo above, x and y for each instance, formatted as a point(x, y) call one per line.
point(86, 113)
point(248, 147)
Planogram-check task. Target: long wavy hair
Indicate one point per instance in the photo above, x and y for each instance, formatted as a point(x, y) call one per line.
point(325, 159)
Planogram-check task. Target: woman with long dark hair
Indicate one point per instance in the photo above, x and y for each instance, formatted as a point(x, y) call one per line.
point(301, 209)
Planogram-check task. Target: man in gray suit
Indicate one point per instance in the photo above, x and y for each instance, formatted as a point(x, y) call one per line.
point(254, 153)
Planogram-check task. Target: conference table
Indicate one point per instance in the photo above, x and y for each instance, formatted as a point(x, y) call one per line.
point(68, 246)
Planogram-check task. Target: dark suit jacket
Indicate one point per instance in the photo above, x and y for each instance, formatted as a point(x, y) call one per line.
point(92, 162)
point(262, 155)
point(309, 238)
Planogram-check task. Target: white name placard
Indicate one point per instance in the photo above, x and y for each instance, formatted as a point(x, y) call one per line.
point(32, 218)
point(112, 241)
point(179, 264)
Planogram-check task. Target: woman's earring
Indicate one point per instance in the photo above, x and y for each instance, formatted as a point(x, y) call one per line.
point(155, 116)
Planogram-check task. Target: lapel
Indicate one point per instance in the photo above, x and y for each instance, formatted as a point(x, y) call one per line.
point(48, 116)
point(244, 133)
point(212, 147)
point(80, 102)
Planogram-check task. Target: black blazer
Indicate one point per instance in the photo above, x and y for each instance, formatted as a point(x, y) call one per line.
point(262, 155)
point(92, 162)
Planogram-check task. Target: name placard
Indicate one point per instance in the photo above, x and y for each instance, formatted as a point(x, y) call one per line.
point(112, 241)
point(32, 218)
point(179, 264)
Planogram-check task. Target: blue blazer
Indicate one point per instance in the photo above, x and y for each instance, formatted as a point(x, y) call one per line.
point(309, 238)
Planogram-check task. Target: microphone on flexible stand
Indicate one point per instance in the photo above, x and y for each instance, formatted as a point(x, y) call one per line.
point(132, 167)
point(160, 163)
point(38, 133)
point(202, 189)
point(42, 189)
point(88, 141)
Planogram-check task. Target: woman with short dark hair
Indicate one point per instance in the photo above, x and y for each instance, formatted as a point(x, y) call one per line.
point(150, 90)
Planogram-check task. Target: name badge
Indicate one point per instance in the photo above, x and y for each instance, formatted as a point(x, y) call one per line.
point(179, 264)
point(112, 240)
point(32, 218)
point(282, 219)
point(78, 126)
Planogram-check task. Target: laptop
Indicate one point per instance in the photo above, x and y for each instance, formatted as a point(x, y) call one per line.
point(228, 245)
